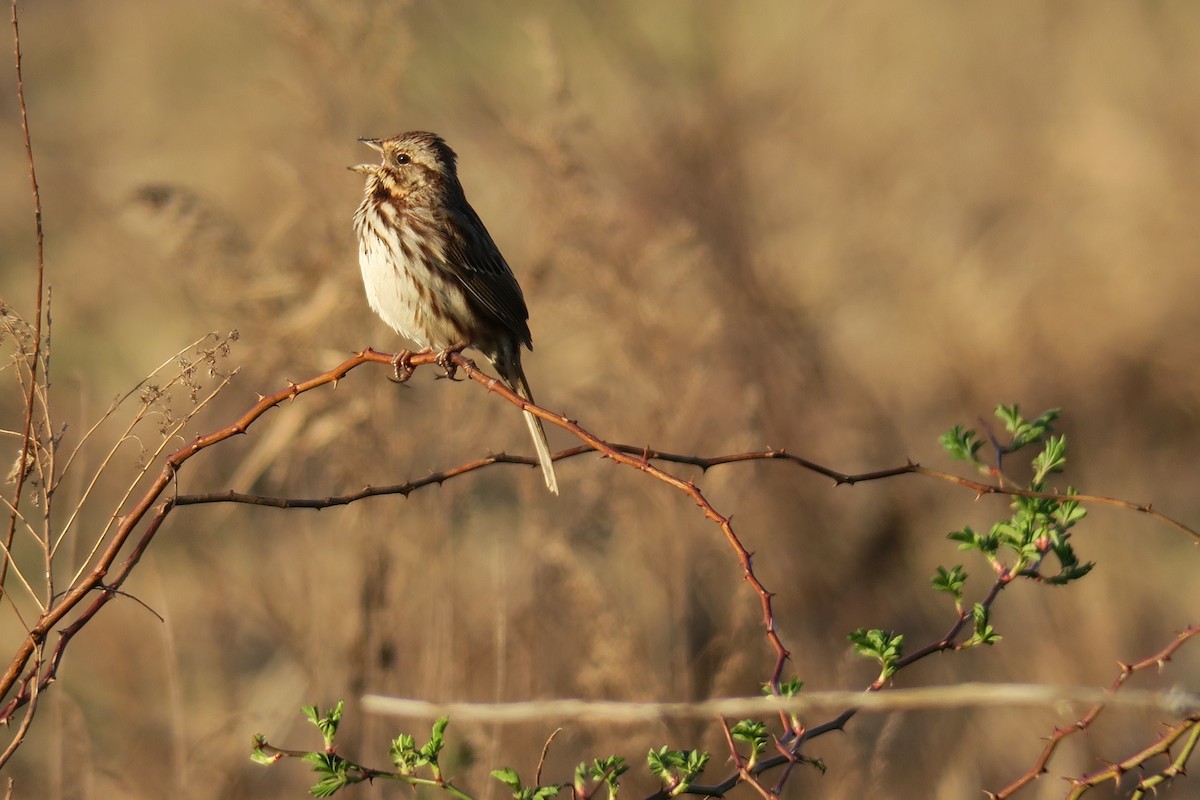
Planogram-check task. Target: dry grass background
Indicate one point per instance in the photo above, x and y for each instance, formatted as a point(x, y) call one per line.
point(835, 227)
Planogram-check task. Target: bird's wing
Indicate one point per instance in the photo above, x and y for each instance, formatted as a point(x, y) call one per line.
point(484, 272)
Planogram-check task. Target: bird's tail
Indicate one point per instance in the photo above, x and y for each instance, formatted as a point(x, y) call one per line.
point(510, 370)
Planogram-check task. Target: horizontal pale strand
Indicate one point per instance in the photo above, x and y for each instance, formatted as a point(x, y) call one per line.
point(1177, 703)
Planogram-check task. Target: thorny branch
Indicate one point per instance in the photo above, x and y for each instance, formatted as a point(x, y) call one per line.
point(153, 506)
point(1127, 671)
point(37, 678)
point(705, 463)
point(641, 462)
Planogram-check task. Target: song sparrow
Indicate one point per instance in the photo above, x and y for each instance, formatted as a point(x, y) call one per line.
point(431, 269)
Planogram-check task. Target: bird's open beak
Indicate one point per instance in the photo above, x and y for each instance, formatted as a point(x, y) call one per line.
point(375, 145)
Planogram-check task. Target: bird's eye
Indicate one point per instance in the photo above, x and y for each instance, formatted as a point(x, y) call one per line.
point(403, 158)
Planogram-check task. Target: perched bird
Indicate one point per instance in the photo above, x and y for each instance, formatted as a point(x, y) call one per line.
point(431, 269)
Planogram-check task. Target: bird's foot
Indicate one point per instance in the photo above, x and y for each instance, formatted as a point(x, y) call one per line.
point(402, 367)
point(445, 360)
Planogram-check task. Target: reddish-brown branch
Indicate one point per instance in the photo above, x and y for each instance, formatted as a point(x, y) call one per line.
point(703, 462)
point(641, 462)
point(636, 457)
point(94, 580)
point(1127, 671)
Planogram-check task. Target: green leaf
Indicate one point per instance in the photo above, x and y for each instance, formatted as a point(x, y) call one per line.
point(1070, 569)
point(1051, 459)
point(404, 755)
point(333, 771)
point(327, 724)
point(950, 580)
point(697, 760)
point(970, 540)
point(1023, 432)
point(662, 761)
point(1004, 534)
point(1069, 512)
point(676, 768)
point(751, 731)
point(508, 776)
point(327, 786)
point(960, 443)
point(754, 733)
point(256, 753)
point(984, 633)
point(605, 769)
point(1042, 426)
point(611, 768)
point(437, 740)
point(883, 646)
point(608, 769)
point(789, 688)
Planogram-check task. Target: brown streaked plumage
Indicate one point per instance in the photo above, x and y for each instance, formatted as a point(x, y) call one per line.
point(432, 271)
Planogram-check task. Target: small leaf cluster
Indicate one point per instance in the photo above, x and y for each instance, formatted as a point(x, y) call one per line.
point(753, 733)
point(884, 646)
point(964, 444)
point(407, 758)
point(789, 688)
point(335, 772)
point(512, 780)
point(601, 770)
point(676, 768)
point(1015, 547)
point(326, 723)
point(1038, 526)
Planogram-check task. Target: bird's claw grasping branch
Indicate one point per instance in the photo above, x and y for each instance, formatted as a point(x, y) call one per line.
point(403, 367)
point(445, 360)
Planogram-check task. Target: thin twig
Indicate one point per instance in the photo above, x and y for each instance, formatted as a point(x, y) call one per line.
point(81, 588)
point(740, 764)
point(26, 721)
point(26, 436)
point(537, 775)
point(116, 404)
point(141, 473)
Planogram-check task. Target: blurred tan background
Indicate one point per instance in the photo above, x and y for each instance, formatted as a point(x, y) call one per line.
point(834, 227)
